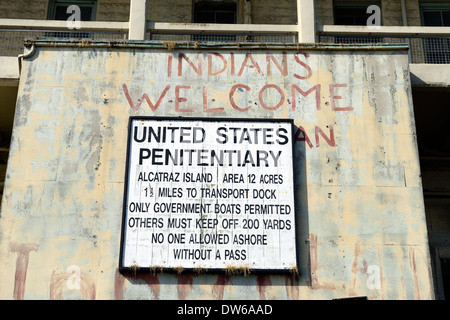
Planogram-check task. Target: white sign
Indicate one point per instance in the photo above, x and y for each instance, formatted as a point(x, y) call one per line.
point(210, 194)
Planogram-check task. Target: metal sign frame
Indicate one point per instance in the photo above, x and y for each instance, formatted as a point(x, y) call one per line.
point(162, 268)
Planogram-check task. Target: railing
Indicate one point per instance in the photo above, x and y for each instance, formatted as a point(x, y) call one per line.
point(218, 37)
point(433, 50)
point(14, 31)
point(427, 44)
point(11, 40)
point(232, 33)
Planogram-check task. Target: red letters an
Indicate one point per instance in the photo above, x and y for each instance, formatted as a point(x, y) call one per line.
point(331, 142)
point(301, 135)
point(304, 138)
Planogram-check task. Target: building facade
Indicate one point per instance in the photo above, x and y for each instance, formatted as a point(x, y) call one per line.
point(365, 84)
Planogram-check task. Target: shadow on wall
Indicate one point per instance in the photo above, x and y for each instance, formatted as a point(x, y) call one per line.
point(229, 286)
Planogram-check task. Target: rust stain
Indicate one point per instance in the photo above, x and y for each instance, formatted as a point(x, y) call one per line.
point(23, 250)
point(119, 282)
point(59, 280)
point(383, 297)
point(291, 285)
point(87, 287)
point(262, 282)
point(352, 288)
point(412, 262)
point(313, 266)
point(184, 285)
point(219, 287)
point(313, 260)
point(151, 280)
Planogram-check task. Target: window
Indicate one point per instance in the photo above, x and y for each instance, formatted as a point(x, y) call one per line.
point(436, 50)
point(215, 12)
point(58, 11)
point(435, 14)
point(352, 13)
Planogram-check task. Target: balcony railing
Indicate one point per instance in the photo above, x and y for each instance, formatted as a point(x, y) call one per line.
point(237, 33)
point(13, 32)
point(11, 40)
point(218, 37)
point(427, 44)
point(433, 50)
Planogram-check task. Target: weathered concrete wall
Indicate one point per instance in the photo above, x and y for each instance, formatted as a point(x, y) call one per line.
point(169, 11)
point(271, 12)
point(360, 215)
point(324, 12)
point(23, 9)
point(113, 10)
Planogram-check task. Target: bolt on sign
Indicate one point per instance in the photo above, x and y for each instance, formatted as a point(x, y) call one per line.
point(209, 193)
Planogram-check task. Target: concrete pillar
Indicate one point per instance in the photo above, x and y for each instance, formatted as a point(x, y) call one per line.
point(247, 12)
point(306, 21)
point(404, 16)
point(138, 20)
point(405, 23)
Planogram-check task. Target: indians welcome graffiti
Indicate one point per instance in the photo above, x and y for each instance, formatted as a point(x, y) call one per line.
point(215, 83)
